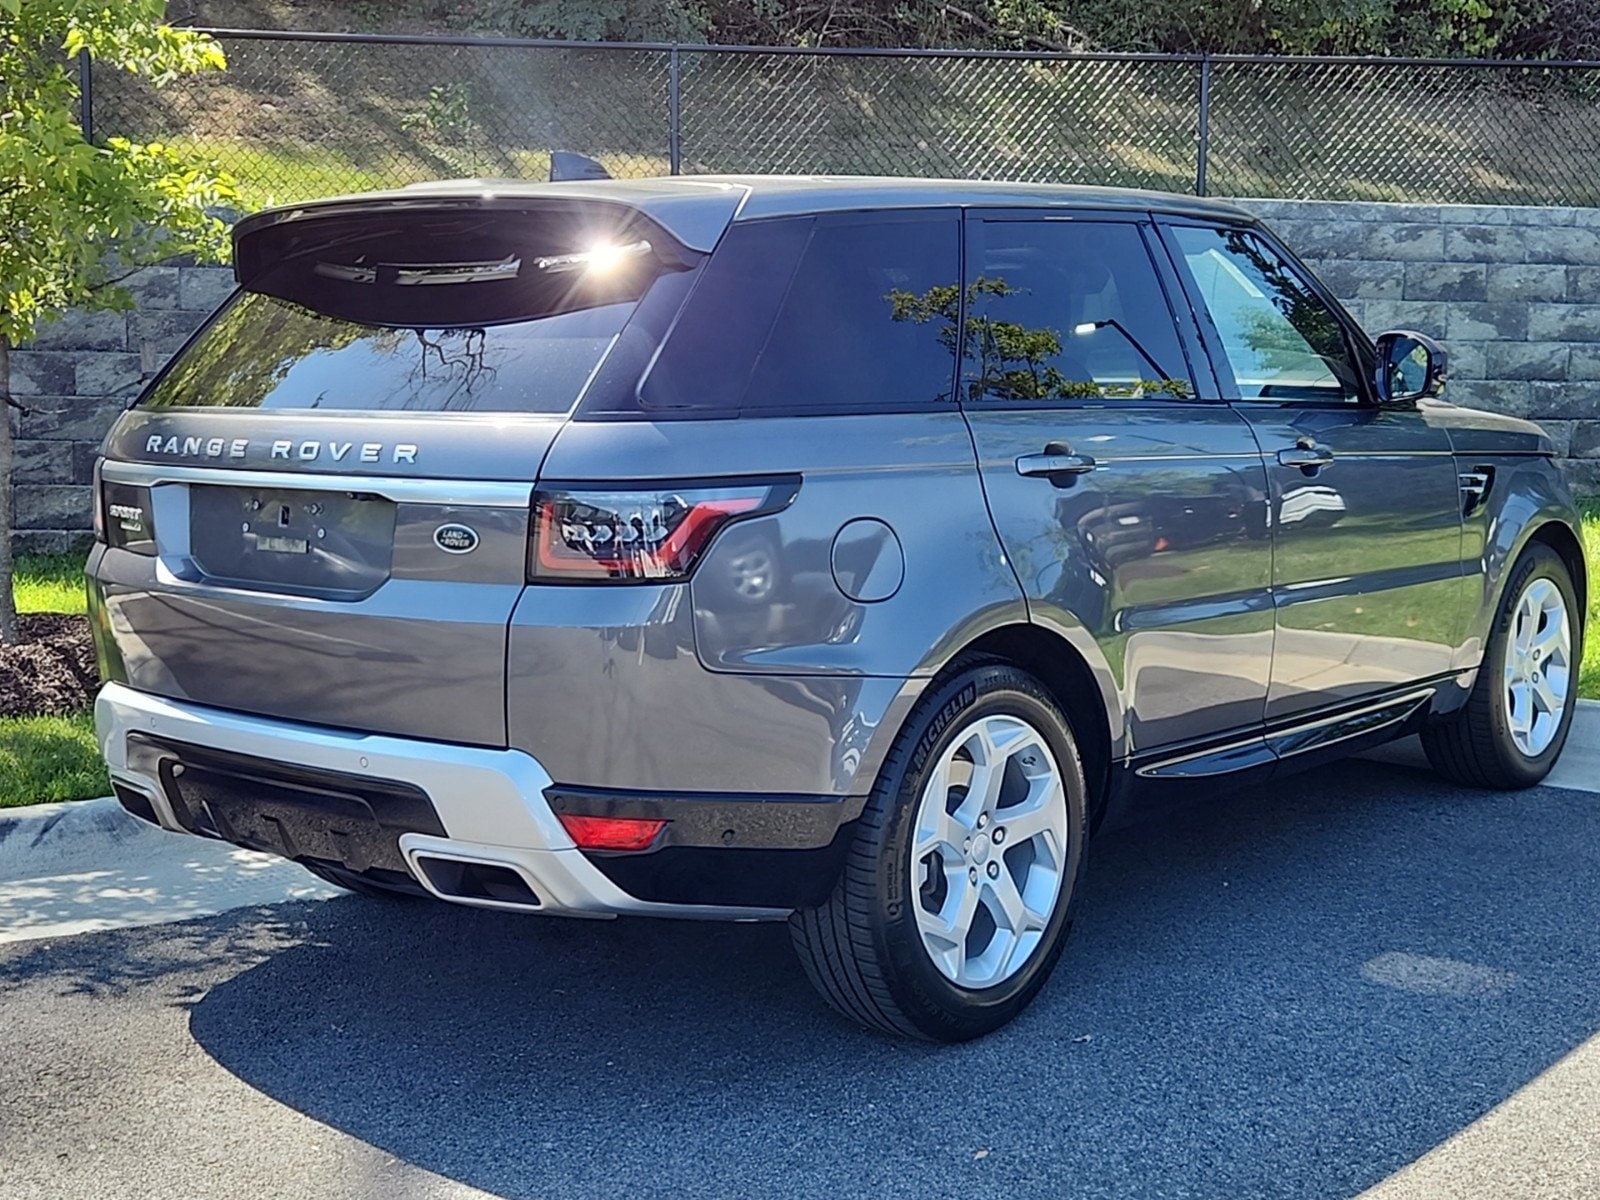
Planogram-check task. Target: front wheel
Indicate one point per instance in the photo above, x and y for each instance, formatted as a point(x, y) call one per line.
point(964, 870)
point(1514, 724)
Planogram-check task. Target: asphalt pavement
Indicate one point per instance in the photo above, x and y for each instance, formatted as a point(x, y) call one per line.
point(1359, 978)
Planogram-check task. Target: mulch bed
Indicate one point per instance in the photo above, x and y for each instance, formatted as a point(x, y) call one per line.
point(52, 671)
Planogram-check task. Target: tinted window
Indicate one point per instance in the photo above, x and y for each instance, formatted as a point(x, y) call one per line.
point(263, 352)
point(425, 311)
point(810, 314)
point(1068, 310)
point(1281, 341)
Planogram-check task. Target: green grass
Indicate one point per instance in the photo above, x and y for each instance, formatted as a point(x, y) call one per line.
point(50, 583)
point(268, 175)
point(46, 759)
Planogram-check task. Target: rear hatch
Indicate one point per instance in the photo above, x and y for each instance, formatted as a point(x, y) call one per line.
point(319, 511)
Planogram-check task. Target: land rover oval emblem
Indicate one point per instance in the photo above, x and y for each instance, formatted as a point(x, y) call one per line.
point(456, 539)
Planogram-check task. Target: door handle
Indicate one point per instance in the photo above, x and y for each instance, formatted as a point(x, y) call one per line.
point(1306, 455)
point(1057, 460)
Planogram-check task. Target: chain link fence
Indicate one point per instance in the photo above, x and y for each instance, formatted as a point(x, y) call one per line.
point(302, 115)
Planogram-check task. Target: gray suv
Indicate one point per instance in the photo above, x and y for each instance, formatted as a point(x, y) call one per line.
point(837, 550)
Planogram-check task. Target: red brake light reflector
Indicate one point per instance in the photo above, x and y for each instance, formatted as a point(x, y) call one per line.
point(612, 535)
point(612, 833)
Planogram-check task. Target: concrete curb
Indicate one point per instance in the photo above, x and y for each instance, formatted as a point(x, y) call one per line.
point(76, 868)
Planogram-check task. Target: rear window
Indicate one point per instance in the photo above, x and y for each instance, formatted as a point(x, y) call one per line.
point(264, 352)
point(422, 315)
point(811, 314)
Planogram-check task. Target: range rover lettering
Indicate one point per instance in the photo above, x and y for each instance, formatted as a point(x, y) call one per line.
point(835, 550)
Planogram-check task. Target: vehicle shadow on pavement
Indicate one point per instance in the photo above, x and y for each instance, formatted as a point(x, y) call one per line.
point(1292, 991)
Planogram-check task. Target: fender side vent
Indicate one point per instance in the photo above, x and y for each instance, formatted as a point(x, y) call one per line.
point(1475, 485)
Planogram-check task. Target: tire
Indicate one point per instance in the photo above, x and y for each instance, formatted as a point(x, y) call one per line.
point(866, 949)
point(1479, 745)
point(350, 881)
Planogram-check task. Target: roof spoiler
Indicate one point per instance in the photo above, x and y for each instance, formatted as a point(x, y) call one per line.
point(565, 165)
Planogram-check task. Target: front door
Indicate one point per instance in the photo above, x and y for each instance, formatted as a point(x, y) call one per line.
point(1130, 501)
point(1366, 514)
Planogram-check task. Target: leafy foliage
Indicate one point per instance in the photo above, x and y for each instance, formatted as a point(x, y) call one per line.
point(1491, 28)
point(590, 20)
point(75, 217)
point(447, 114)
point(1487, 28)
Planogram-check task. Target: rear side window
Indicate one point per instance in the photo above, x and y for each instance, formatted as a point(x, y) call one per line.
point(1065, 311)
point(811, 315)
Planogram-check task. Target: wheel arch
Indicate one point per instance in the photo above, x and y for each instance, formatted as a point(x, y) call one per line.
point(1529, 502)
point(1075, 685)
point(1561, 538)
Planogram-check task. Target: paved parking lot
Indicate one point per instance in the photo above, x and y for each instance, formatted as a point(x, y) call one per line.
point(1297, 991)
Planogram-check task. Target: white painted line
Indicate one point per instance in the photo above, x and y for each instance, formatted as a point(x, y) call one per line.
point(77, 868)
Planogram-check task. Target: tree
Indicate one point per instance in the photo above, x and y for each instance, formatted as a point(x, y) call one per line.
point(76, 218)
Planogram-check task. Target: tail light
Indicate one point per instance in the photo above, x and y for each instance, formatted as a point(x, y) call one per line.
point(123, 518)
point(99, 505)
point(602, 535)
point(612, 833)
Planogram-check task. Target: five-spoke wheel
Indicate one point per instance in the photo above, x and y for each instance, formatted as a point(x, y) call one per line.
point(1510, 731)
point(988, 850)
point(963, 870)
point(1538, 668)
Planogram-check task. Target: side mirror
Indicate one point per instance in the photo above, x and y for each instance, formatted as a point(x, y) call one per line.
point(1411, 366)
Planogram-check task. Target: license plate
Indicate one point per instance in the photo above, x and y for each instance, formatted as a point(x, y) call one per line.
point(283, 545)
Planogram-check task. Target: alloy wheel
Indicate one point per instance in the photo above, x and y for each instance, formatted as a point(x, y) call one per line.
point(990, 844)
point(1538, 668)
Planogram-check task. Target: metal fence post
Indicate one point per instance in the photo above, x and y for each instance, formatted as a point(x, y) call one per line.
point(85, 96)
point(1203, 150)
point(674, 114)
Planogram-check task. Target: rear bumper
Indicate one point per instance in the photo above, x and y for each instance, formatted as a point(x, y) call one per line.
point(486, 806)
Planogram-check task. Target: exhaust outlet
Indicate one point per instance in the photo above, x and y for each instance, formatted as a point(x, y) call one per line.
point(471, 881)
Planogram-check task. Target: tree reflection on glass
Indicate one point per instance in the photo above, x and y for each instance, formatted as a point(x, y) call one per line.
point(1281, 339)
point(1008, 360)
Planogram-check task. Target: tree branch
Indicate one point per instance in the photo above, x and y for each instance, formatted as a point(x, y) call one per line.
point(971, 18)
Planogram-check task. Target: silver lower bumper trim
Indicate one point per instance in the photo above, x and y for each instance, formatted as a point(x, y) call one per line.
point(490, 802)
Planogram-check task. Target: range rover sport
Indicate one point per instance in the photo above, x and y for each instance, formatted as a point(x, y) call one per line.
point(837, 550)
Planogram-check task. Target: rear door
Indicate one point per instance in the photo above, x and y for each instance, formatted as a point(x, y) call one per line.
point(1131, 502)
point(320, 511)
point(1369, 590)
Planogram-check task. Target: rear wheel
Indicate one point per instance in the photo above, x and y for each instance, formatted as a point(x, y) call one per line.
point(1514, 725)
point(961, 880)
